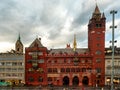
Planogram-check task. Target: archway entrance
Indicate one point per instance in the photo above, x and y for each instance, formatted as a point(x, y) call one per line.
point(75, 80)
point(85, 80)
point(66, 80)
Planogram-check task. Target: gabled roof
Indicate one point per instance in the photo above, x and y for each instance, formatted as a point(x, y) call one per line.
point(36, 42)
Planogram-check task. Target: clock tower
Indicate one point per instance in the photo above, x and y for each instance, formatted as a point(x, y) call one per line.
point(96, 44)
point(19, 45)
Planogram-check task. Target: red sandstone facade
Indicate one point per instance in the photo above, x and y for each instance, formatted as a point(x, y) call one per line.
point(69, 66)
point(35, 64)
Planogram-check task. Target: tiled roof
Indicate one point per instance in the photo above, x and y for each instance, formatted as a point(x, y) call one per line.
point(68, 51)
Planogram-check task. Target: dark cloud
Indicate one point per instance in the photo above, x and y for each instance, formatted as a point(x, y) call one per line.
point(56, 21)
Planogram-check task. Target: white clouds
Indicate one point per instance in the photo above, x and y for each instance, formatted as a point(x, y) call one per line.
point(6, 46)
point(55, 21)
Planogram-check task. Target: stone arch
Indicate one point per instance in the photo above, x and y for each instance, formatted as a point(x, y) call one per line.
point(65, 80)
point(75, 80)
point(85, 80)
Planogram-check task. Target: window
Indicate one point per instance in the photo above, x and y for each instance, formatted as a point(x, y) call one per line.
point(77, 69)
point(8, 69)
point(98, 45)
point(98, 60)
point(115, 63)
point(41, 61)
point(8, 74)
point(35, 65)
point(98, 76)
point(82, 61)
point(89, 61)
point(55, 70)
point(2, 69)
point(20, 69)
point(60, 61)
point(14, 63)
point(83, 70)
point(98, 25)
point(20, 63)
point(55, 78)
point(55, 61)
point(72, 69)
point(67, 69)
point(98, 70)
point(31, 79)
point(20, 75)
point(62, 70)
point(34, 56)
point(68, 61)
point(49, 70)
point(8, 64)
point(49, 79)
point(98, 52)
point(40, 53)
point(2, 74)
point(89, 69)
point(64, 60)
point(14, 75)
point(40, 79)
point(14, 69)
point(30, 69)
point(119, 62)
point(0, 63)
point(108, 62)
point(49, 61)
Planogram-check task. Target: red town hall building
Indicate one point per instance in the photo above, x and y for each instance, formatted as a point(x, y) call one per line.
point(69, 66)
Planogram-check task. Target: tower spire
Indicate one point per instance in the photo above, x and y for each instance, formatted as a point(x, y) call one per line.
point(19, 45)
point(96, 13)
point(19, 37)
point(103, 15)
point(74, 43)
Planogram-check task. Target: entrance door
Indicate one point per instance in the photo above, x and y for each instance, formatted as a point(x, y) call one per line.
point(85, 80)
point(66, 80)
point(75, 80)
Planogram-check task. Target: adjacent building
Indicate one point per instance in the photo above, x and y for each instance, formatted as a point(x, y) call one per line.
point(108, 63)
point(12, 65)
point(35, 64)
point(69, 66)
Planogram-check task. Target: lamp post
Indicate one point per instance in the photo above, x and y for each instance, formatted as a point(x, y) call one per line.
point(113, 12)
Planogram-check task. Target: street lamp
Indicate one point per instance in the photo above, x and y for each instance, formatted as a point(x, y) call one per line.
point(113, 12)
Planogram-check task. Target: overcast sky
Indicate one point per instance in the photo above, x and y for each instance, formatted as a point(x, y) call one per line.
point(54, 21)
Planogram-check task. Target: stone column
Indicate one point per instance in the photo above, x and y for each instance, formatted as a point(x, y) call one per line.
point(70, 80)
